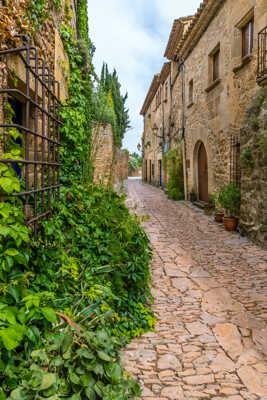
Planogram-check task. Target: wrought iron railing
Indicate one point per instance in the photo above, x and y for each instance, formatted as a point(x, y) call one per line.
point(40, 127)
point(262, 53)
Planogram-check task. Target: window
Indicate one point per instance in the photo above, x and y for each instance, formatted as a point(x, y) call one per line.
point(216, 65)
point(191, 91)
point(166, 90)
point(247, 38)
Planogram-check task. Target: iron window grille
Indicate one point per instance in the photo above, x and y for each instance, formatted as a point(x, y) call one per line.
point(40, 128)
point(235, 170)
point(262, 53)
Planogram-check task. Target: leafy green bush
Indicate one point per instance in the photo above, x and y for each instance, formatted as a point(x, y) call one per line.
point(69, 301)
point(82, 365)
point(175, 185)
point(229, 198)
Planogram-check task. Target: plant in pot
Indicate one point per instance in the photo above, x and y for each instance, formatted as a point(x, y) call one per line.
point(218, 215)
point(229, 198)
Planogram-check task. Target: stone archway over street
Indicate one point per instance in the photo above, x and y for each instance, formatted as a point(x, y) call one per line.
point(208, 286)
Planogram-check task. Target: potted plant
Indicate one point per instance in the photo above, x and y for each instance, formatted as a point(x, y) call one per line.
point(229, 198)
point(218, 215)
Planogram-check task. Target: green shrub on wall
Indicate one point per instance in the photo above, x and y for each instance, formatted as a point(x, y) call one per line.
point(174, 162)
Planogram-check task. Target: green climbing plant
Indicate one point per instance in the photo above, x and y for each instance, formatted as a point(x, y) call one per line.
point(174, 163)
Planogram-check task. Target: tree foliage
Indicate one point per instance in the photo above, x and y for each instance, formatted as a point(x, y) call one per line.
point(110, 85)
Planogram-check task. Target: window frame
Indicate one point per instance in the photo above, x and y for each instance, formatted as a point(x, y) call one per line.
point(191, 91)
point(247, 48)
point(216, 58)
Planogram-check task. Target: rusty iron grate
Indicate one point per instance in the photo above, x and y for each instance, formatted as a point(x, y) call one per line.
point(235, 170)
point(40, 125)
point(262, 53)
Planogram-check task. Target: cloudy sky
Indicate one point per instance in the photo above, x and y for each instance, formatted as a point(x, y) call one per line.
point(131, 36)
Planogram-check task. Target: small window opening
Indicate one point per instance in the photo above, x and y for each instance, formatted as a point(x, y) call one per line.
point(247, 38)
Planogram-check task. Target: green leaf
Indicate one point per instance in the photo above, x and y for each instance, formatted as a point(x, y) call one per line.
point(14, 292)
point(48, 380)
point(5, 230)
point(90, 393)
point(49, 314)
point(12, 336)
point(11, 252)
point(2, 395)
point(104, 356)
point(87, 380)
point(17, 394)
point(74, 378)
point(67, 342)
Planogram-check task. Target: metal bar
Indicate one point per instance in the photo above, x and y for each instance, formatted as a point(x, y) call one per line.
point(48, 144)
point(58, 147)
point(15, 50)
point(34, 191)
point(13, 160)
point(53, 146)
point(35, 144)
point(29, 131)
point(27, 98)
point(44, 214)
point(43, 142)
point(27, 118)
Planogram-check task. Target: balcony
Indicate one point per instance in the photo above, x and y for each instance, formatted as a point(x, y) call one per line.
point(262, 57)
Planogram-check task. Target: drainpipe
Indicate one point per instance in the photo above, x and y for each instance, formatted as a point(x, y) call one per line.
point(183, 127)
point(163, 139)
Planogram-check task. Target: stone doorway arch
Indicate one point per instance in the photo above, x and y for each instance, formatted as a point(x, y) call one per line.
point(201, 172)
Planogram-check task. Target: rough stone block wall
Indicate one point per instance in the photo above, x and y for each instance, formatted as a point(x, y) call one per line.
point(121, 166)
point(253, 215)
point(103, 153)
point(110, 162)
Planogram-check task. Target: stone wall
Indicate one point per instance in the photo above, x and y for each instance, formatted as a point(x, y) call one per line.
point(135, 172)
point(253, 215)
point(110, 162)
point(121, 166)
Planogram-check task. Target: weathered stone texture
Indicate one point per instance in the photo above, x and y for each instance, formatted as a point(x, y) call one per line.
point(110, 163)
point(195, 353)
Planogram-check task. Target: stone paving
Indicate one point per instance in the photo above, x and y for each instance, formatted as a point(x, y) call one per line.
point(209, 287)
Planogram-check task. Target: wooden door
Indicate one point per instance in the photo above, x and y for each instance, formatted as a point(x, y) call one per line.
point(203, 174)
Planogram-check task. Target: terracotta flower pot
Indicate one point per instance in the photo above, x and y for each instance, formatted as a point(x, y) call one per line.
point(218, 217)
point(230, 223)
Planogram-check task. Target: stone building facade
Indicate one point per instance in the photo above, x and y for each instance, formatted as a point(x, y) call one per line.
point(215, 71)
point(156, 112)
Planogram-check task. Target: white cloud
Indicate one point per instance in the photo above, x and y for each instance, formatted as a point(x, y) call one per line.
point(131, 35)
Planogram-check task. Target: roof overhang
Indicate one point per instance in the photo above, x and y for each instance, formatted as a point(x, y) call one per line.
point(150, 94)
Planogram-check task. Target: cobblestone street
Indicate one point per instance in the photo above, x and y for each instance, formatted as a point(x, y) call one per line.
point(209, 289)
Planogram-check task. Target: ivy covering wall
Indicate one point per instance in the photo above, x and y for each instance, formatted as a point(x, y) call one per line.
point(69, 301)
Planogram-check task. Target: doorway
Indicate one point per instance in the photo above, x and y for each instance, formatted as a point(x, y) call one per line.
point(160, 173)
point(203, 191)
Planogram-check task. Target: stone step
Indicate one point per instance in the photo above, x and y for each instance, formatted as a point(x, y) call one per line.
point(200, 204)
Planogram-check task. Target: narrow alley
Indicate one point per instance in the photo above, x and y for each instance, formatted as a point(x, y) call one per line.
point(209, 289)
